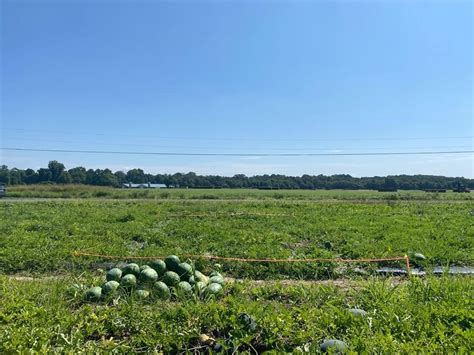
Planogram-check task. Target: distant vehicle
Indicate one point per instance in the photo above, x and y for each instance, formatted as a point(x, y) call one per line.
point(3, 190)
point(462, 189)
point(459, 187)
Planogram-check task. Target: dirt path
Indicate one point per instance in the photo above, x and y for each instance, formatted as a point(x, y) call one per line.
point(223, 200)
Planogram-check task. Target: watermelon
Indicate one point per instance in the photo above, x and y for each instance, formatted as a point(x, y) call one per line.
point(200, 287)
point(199, 276)
point(172, 262)
point(148, 275)
point(162, 291)
point(110, 287)
point(171, 278)
point(213, 289)
point(419, 256)
point(192, 280)
point(132, 268)
point(328, 245)
point(184, 270)
point(129, 281)
point(159, 266)
point(333, 345)
point(184, 288)
point(114, 274)
point(143, 267)
point(94, 293)
point(215, 273)
point(218, 279)
point(142, 293)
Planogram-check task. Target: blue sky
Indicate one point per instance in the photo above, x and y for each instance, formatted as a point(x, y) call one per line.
point(239, 76)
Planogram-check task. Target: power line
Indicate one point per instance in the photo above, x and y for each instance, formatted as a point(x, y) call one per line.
point(239, 138)
point(236, 154)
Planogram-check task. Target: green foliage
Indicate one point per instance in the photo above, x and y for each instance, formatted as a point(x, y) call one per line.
point(419, 316)
point(48, 315)
point(84, 191)
point(41, 237)
point(56, 173)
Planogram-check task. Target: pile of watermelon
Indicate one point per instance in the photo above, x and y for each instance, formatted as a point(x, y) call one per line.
point(162, 279)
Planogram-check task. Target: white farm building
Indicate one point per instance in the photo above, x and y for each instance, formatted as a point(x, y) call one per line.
point(145, 185)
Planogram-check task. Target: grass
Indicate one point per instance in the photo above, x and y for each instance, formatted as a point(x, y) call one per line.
point(41, 236)
point(84, 191)
point(430, 315)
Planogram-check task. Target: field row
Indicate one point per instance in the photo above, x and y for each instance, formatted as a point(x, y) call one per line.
point(84, 191)
point(41, 237)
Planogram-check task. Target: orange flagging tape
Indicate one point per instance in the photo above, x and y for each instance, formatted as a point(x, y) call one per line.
point(407, 260)
point(250, 260)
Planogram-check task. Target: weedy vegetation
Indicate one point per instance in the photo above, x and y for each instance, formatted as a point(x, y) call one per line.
point(264, 307)
point(86, 191)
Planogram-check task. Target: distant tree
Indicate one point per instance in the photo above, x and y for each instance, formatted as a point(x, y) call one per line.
point(149, 178)
point(44, 175)
point(4, 174)
point(189, 180)
point(390, 184)
point(56, 173)
point(168, 180)
point(31, 177)
point(101, 177)
point(17, 176)
point(78, 175)
point(90, 177)
point(56, 169)
point(65, 178)
point(121, 177)
point(106, 178)
point(136, 176)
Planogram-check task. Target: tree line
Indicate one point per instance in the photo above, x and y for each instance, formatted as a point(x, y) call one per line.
point(56, 173)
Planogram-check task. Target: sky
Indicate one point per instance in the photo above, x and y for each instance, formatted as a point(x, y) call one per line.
point(239, 77)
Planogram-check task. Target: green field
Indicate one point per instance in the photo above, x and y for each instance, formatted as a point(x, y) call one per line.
point(84, 191)
point(295, 306)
